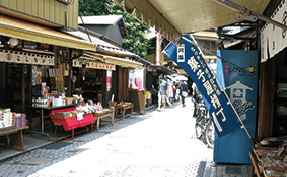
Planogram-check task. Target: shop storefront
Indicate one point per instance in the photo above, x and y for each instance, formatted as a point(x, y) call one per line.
point(34, 62)
point(97, 78)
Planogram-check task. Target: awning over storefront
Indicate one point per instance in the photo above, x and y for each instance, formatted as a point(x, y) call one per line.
point(106, 52)
point(122, 62)
point(163, 69)
point(175, 17)
point(15, 28)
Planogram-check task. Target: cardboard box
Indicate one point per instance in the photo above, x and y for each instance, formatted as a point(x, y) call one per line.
point(69, 100)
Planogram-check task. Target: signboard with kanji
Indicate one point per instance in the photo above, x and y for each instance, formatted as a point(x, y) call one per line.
point(190, 59)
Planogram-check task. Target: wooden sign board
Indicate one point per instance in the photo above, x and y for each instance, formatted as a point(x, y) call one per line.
point(26, 58)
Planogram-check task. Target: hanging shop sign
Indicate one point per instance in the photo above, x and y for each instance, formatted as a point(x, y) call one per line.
point(26, 58)
point(190, 59)
point(273, 38)
point(93, 64)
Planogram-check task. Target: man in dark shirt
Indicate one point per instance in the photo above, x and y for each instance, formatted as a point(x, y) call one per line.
point(77, 81)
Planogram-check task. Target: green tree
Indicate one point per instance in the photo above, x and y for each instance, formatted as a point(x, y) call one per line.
point(135, 43)
point(94, 7)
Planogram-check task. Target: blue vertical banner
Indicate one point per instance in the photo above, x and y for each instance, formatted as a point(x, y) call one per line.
point(190, 59)
point(240, 86)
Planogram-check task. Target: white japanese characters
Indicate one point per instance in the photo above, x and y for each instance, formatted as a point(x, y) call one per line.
point(204, 75)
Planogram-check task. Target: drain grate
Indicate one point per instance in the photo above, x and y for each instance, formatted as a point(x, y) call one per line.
point(57, 145)
point(233, 170)
point(35, 161)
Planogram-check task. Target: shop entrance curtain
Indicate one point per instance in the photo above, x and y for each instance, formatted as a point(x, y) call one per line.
point(190, 59)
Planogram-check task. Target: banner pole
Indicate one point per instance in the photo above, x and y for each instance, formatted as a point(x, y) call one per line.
point(242, 10)
point(229, 101)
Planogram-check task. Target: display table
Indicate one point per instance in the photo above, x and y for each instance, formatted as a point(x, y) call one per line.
point(72, 123)
point(13, 139)
point(122, 108)
point(107, 112)
point(42, 108)
point(260, 159)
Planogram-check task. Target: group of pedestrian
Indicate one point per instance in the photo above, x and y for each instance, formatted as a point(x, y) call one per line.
point(168, 91)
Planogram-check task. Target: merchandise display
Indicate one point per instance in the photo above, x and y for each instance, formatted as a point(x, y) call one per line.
point(270, 156)
point(272, 162)
point(275, 172)
point(54, 99)
point(11, 119)
point(82, 108)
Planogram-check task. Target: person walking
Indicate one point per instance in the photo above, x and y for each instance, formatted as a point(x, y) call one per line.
point(183, 92)
point(169, 93)
point(173, 91)
point(162, 93)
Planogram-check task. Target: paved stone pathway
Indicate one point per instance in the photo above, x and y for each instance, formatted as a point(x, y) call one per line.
point(156, 144)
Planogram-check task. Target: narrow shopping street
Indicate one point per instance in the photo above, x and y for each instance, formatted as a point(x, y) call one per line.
point(154, 144)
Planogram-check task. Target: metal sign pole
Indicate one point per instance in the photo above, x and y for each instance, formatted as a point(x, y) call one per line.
point(242, 10)
point(229, 101)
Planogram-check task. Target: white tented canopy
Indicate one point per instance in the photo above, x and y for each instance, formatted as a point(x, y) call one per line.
point(175, 17)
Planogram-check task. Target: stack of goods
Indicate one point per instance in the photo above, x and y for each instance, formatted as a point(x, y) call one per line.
point(87, 108)
point(20, 120)
point(81, 109)
point(56, 79)
point(7, 118)
point(12, 119)
point(275, 172)
point(272, 156)
point(273, 162)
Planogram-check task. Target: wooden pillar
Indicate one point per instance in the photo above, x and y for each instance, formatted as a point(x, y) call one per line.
point(29, 73)
point(23, 88)
point(56, 56)
point(69, 89)
point(266, 99)
point(104, 88)
point(126, 85)
point(118, 86)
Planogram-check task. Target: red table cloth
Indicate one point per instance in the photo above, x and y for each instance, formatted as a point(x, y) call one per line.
point(72, 123)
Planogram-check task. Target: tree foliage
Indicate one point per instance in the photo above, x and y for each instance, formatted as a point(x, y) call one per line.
point(94, 7)
point(135, 43)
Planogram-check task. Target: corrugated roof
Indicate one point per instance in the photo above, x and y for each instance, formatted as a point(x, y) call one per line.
point(100, 19)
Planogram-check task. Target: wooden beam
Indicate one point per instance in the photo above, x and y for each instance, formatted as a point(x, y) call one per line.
point(266, 100)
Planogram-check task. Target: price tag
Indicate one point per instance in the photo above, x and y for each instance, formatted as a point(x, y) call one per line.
point(280, 150)
point(80, 116)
